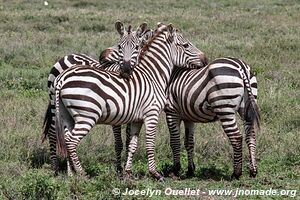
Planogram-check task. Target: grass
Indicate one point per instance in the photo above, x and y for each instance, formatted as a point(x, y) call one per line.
point(265, 34)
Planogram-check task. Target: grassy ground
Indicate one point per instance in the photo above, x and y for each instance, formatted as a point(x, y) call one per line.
point(33, 36)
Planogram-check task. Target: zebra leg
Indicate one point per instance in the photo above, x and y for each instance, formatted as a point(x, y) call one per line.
point(132, 146)
point(189, 146)
point(52, 137)
point(128, 138)
point(118, 148)
point(173, 122)
point(70, 168)
point(151, 124)
point(52, 144)
point(72, 140)
point(251, 143)
point(232, 131)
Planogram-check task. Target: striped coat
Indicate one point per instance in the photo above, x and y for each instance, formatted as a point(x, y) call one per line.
point(110, 59)
point(86, 96)
point(215, 92)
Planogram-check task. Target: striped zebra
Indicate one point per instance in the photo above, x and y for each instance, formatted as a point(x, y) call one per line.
point(125, 53)
point(215, 92)
point(85, 96)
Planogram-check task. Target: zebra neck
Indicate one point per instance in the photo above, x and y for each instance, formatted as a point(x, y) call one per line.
point(157, 67)
point(155, 61)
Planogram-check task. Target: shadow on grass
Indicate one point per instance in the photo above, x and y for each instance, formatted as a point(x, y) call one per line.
point(212, 172)
point(40, 156)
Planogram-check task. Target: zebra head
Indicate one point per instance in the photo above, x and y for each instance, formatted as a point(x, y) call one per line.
point(186, 54)
point(129, 46)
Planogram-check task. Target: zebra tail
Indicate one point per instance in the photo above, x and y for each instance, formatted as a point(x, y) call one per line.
point(251, 113)
point(59, 131)
point(47, 122)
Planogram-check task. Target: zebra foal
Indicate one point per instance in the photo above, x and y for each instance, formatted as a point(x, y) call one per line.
point(215, 92)
point(85, 96)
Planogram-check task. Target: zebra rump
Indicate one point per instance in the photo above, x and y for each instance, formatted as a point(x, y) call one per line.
point(216, 92)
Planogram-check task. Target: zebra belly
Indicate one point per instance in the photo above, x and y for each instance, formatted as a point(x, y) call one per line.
point(100, 109)
point(200, 114)
point(113, 116)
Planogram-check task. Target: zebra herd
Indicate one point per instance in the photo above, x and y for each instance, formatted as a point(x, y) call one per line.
point(147, 72)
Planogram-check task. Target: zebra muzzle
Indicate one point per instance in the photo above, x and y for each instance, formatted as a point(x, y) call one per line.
point(125, 70)
point(204, 59)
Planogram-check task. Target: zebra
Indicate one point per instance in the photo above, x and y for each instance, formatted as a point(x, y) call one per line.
point(85, 96)
point(110, 59)
point(124, 53)
point(213, 93)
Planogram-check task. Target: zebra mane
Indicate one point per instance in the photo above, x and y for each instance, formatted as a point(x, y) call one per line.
point(129, 29)
point(145, 48)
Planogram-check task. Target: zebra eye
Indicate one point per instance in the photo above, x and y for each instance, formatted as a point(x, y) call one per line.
point(185, 45)
point(136, 47)
point(119, 46)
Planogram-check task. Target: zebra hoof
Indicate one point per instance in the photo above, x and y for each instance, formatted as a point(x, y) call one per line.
point(119, 170)
point(174, 177)
point(120, 175)
point(70, 173)
point(55, 168)
point(157, 176)
point(253, 173)
point(176, 169)
point(191, 171)
point(128, 175)
point(55, 173)
point(82, 174)
point(190, 174)
point(236, 176)
point(162, 179)
point(174, 173)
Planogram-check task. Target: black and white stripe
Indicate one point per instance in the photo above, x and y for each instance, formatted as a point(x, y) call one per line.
point(110, 59)
point(215, 92)
point(86, 96)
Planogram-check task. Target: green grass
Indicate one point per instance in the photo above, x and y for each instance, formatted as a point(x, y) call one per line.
point(265, 34)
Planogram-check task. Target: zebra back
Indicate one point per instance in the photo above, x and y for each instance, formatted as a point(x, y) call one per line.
point(70, 61)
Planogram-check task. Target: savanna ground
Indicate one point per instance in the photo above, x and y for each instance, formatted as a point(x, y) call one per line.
point(265, 34)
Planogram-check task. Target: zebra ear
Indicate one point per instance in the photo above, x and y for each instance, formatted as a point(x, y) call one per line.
point(119, 27)
point(142, 30)
point(145, 37)
point(148, 34)
point(159, 24)
point(171, 29)
point(129, 29)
